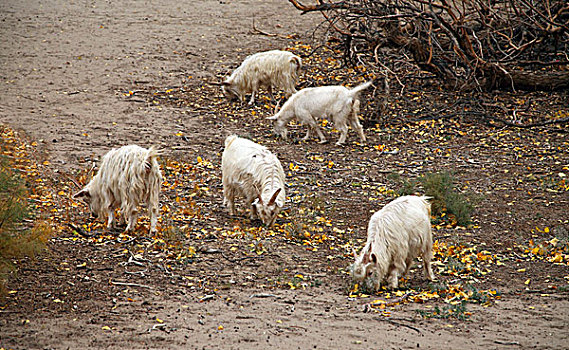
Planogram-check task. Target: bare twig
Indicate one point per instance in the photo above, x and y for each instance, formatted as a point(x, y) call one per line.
point(207, 297)
point(264, 295)
point(79, 230)
point(256, 30)
point(385, 319)
point(127, 284)
point(506, 342)
point(157, 326)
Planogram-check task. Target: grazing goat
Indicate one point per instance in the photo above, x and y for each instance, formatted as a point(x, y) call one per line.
point(271, 69)
point(397, 234)
point(335, 103)
point(251, 170)
point(128, 176)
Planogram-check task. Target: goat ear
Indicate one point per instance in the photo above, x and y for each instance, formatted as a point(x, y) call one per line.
point(274, 117)
point(373, 258)
point(354, 252)
point(83, 193)
point(225, 83)
point(365, 258)
point(274, 197)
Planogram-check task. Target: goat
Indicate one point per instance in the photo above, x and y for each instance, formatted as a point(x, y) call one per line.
point(128, 176)
point(335, 103)
point(252, 171)
point(274, 68)
point(397, 234)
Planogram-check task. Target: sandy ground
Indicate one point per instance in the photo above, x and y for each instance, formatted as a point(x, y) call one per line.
point(65, 63)
point(64, 67)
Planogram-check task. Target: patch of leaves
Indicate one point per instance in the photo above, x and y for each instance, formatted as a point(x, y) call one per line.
point(464, 265)
point(457, 311)
point(554, 250)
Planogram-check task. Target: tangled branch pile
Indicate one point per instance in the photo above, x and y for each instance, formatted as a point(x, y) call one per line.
point(466, 45)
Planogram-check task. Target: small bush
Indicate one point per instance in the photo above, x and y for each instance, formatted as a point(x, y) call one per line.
point(405, 187)
point(446, 200)
point(16, 239)
point(441, 187)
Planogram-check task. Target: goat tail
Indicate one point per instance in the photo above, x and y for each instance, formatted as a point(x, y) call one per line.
point(426, 200)
point(154, 152)
point(360, 87)
point(151, 158)
point(229, 140)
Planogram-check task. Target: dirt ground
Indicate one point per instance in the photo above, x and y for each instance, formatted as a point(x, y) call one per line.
point(81, 77)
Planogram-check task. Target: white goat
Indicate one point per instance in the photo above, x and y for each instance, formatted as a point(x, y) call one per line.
point(251, 170)
point(271, 69)
point(397, 234)
point(335, 103)
point(128, 176)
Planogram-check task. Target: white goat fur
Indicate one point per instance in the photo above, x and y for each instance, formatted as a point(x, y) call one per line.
point(271, 69)
point(397, 234)
point(128, 176)
point(335, 103)
point(252, 171)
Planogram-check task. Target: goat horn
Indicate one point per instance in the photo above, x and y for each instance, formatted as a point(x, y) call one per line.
point(274, 197)
point(90, 173)
point(277, 107)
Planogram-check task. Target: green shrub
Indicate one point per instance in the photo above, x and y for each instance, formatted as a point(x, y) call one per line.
point(441, 186)
point(405, 187)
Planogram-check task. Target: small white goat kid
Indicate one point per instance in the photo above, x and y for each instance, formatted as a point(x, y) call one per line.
point(397, 234)
point(252, 171)
point(128, 176)
point(271, 69)
point(335, 103)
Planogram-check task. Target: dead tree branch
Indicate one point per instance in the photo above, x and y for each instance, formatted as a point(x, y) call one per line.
point(467, 45)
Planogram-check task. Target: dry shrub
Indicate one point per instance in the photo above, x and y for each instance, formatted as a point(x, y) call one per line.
point(18, 236)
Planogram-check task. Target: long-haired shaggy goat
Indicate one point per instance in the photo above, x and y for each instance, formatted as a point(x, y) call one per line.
point(128, 176)
point(274, 68)
point(252, 171)
point(335, 103)
point(397, 234)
